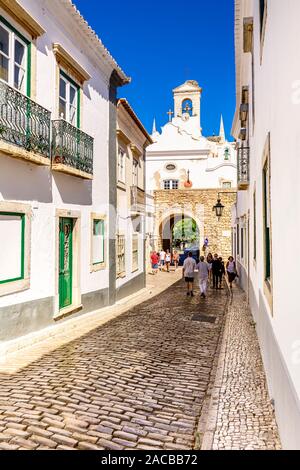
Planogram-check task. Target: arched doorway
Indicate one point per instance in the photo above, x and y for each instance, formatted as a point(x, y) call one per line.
point(179, 232)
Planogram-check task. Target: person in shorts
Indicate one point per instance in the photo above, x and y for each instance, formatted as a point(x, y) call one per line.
point(168, 260)
point(188, 271)
point(175, 259)
point(162, 259)
point(154, 262)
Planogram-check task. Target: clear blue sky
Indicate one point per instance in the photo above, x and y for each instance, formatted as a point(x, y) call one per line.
point(160, 44)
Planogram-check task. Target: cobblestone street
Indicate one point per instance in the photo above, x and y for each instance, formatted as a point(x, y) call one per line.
point(242, 416)
point(138, 381)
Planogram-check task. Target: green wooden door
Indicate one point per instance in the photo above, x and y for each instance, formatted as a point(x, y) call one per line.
point(65, 262)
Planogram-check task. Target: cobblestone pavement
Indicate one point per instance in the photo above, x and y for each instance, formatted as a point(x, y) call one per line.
point(245, 417)
point(138, 381)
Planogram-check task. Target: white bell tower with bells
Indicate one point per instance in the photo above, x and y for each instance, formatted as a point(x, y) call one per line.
point(187, 107)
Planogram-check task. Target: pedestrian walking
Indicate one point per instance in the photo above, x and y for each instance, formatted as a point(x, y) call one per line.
point(231, 270)
point(221, 272)
point(168, 260)
point(203, 269)
point(162, 258)
point(154, 262)
point(216, 271)
point(175, 259)
point(209, 261)
point(188, 272)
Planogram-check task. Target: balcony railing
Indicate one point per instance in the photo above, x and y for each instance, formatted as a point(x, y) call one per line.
point(243, 167)
point(137, 199)
point(71, 149)
point(23, 122)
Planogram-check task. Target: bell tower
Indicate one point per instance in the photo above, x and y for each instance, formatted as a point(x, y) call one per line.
point(187, 104)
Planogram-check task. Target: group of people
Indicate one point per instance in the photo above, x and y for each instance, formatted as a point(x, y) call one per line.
point(212, 269)
point(163, 260)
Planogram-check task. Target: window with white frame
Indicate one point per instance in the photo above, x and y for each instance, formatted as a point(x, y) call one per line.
point(226, 184)
point(171, 184)
point(13, 57)
point(69, 100)
point(12, 247)
point(121, 165)
point(135, 252)
point(135, 174)
point(98, 242)
point(120, 255)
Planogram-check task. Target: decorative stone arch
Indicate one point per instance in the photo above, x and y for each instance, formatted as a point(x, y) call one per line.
point(166, 221)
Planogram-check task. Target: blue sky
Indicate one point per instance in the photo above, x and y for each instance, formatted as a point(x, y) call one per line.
point(160, 44)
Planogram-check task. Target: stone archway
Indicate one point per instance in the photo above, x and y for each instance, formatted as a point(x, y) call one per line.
point(198, 205)
point(165, 229)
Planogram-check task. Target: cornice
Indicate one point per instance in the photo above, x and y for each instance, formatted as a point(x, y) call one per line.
point(22, 17)
point(70, 64)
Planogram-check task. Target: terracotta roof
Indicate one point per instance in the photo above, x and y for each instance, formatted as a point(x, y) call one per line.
point(129, 109)
point(92, 36)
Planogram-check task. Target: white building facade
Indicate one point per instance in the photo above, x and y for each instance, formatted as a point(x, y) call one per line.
point(57, 166)
point(187, 173)
point(266, 219)
point(181, 148)
point(131, 201)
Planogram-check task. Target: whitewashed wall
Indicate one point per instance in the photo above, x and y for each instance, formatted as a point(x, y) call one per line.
point(277, 111)
point(46, 191)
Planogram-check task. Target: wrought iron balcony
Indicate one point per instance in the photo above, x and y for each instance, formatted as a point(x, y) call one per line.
point(243, 168)
point(137, 199)
point(72, 150)
point(25, 124)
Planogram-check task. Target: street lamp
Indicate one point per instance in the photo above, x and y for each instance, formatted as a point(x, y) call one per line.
point(244, 110)
point(218, 208)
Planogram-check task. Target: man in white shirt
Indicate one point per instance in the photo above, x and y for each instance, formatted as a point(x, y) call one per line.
point(188, 271)
point(203, 270)
point(162, 258)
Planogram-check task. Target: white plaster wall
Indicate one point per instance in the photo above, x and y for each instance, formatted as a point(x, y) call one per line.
point(46, 191)
point(277, 110)
point(204, 173)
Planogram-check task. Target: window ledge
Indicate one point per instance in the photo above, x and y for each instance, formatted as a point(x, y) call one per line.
point(121, 275)
point(14, 287)
point(121, 185)
point(98, 267)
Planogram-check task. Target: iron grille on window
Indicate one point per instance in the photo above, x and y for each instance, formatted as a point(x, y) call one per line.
point(120, 255)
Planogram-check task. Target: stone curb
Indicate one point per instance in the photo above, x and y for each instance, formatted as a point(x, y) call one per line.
point(208, 419)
